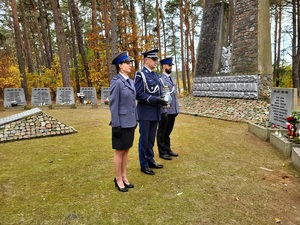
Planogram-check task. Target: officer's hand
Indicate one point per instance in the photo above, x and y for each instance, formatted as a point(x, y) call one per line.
point(116, 132)
point(164, 115)
point(161, 101)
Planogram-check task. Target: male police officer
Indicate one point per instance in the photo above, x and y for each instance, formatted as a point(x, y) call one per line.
point(150, 102)
point(167, 121)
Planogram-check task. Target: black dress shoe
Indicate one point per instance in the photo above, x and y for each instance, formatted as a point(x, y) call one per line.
point(172, 154)
point(147, 170)
point(155, 165)
point(166, 157)
point(128, 185)
point(124, 189)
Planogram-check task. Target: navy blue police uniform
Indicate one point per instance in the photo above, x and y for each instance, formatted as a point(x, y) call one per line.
point(148, 95)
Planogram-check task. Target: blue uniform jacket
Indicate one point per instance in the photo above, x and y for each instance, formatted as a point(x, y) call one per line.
point(170, 82)
point(147, 107)
point(122, 102)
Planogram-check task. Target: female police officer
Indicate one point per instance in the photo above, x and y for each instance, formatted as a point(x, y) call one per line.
point(123, 118)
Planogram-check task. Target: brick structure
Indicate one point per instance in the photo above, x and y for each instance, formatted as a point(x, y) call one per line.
point(251, 47)
point(31, 124)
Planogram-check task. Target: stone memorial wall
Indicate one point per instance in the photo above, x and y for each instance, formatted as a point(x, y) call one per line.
point(40, 97)
point(65, 96)
point(14, 97)
point(283, 102)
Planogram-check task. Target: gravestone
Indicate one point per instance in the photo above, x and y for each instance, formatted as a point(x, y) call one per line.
point(89, 95)
point(65, 96)
point(283, 102)
point(104, 94)
point(14, 97)
point(40, 97)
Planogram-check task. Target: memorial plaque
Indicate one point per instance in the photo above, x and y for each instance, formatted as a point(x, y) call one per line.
point(40, 97)
point(283, 102)
point(14, 97)
point(65, 96)
point(105, 92)
point(243, 86)
point(89, 95)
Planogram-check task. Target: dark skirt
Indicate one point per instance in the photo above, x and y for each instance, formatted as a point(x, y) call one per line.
point(125, 141)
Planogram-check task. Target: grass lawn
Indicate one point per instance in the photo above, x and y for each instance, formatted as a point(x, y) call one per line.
point(223, 175)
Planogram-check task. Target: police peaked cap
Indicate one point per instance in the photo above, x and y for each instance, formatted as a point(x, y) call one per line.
point(151, 54)
point(122, 57)
point(168, 60)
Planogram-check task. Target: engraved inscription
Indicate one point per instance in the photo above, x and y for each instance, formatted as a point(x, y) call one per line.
point(281, 105)
point(65, 96)
point(244, 86)
point(14, 97)
point(89, 95)
point(40, 97)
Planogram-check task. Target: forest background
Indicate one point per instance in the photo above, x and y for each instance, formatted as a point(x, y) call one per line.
point(71, 43)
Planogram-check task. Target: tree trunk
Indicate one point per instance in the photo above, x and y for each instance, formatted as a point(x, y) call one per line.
point(46, 39)
point(94, 30)
point(158, 27)
point(132, 14)
point(279, 42)
point(18, 42)
point(61, 44)
point(175, 55)
point(298, 49)
point(144, 11)
point(182, 45)
point(108, 44)
point(75, 13)
point(164, 33)
point(114, 34)
point(38, 31)
point(275, 44)
point(187, 44)
point(28, 49)
point(295, 57)
point(74, 52)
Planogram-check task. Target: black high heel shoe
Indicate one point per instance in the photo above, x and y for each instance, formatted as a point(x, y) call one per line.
point(128, 185)
point(124, 189)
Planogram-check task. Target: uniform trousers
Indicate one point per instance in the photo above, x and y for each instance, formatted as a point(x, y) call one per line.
point(164, 131)
point(147, 131)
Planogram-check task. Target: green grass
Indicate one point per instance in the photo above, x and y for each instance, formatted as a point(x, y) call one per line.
point(217, 178)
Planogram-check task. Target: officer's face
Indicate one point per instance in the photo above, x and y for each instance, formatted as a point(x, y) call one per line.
point(125, 67)
point(151, 63)
point(167, 68)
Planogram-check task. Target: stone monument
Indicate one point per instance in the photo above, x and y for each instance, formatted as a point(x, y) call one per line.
point(40, 97)
point(88, 95)
point(250, 44)
point(65, 96)
point(14, 97)
point(104, 94)
point(283, 102)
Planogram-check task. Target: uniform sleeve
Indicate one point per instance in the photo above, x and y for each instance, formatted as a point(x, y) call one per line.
point(114, 102)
